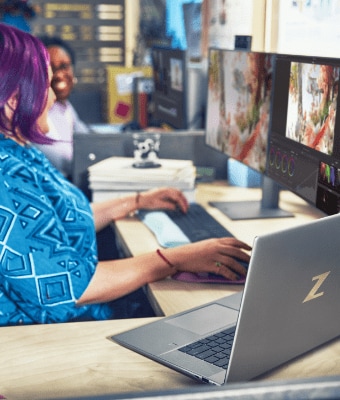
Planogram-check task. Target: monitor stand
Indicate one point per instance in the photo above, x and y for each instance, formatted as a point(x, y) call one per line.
point(267, 207)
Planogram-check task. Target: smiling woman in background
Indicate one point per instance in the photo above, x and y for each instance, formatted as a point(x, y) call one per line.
point(49, 269)
point(63, 118)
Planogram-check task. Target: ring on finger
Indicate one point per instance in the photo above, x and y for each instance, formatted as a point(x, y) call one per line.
point(218, 267)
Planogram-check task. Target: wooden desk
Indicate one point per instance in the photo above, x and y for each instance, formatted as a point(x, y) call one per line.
point(168, 296)
point(77, 359)
point(63, 360)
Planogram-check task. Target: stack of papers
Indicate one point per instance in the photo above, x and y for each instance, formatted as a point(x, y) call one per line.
point(118, 174)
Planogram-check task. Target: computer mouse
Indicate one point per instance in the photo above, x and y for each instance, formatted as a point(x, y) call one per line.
point(209, 277)
point(245, 264)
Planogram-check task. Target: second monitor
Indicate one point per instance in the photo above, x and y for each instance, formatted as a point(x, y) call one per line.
point(239, 101)
point(304, 153)
point(170, 86)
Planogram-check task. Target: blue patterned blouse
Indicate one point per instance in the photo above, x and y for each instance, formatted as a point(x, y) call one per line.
point(48, 250)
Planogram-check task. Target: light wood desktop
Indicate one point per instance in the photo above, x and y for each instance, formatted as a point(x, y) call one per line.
point(78, 359)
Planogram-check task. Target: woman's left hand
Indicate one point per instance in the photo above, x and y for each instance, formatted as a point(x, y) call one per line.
point(163, 198)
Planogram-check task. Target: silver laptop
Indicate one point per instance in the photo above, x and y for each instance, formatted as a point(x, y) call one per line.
point(290, 305)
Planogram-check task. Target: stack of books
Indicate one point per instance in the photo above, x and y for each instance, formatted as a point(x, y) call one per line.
point(116, 177)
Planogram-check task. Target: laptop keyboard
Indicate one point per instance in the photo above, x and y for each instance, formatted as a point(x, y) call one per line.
point(214, 349)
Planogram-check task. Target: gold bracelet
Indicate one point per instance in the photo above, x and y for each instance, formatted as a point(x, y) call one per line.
point(133, 213)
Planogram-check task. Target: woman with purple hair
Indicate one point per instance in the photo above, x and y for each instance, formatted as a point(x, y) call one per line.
point(49, 269)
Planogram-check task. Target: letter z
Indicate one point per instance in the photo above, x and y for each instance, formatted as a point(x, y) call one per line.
point(313, 293)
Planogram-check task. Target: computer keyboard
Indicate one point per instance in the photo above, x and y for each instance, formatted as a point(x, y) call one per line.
point(197, 224)
point(214, 349)
point(174, 228)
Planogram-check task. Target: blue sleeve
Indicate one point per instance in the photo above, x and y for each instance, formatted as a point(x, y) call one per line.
point(48, 249)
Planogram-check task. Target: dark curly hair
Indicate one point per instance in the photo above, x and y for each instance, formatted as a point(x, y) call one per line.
point(57, 41)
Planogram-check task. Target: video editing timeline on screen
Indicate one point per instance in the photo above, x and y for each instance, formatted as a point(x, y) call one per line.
point(304, 143)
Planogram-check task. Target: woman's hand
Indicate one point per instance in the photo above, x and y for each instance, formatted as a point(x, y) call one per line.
point(218, 256)
point(111, 210)
point(163, 198)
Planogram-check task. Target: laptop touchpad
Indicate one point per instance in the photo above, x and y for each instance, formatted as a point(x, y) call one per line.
point(206, 319)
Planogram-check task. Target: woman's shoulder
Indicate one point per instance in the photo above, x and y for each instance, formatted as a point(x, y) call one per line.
point(18, 157)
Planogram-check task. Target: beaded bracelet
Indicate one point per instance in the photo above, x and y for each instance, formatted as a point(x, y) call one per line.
point(162, 256)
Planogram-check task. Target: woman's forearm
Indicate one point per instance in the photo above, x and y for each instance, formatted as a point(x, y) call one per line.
point(111, 210)
point(116, 278)
point(161, 198)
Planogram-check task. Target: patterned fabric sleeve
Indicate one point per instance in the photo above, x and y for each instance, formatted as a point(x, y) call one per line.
point(48, 250)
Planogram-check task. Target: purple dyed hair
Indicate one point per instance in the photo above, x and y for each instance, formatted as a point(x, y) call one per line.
point(24, 64)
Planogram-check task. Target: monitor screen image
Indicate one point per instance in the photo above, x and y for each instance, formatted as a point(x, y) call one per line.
point(239, 103)
point(169, 97)
point(312, 99)
point(304, 151)
point(238, 117)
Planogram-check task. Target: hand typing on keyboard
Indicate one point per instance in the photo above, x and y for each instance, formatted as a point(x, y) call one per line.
point(220, 256)
point(173, 228)
point(164, 199)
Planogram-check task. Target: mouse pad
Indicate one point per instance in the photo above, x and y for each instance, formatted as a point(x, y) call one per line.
point(205, 278)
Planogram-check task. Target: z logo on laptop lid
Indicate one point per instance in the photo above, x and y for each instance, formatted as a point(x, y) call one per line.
point(313, 294)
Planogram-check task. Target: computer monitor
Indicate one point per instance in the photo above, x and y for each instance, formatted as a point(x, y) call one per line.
point(304, 149)
point(170, 86)
point(239, 100)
